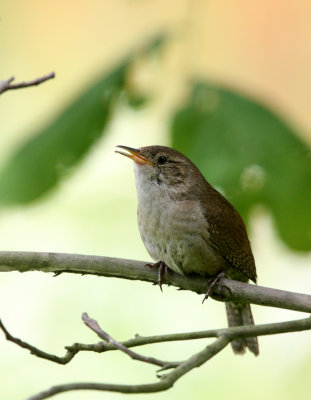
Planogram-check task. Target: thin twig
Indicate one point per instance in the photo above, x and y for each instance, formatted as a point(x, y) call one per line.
point(101, 347)
point(94, 325)
point(7, 85)
point(37, 352)
point(225, 336)
point(166, 381)
point(130, 269)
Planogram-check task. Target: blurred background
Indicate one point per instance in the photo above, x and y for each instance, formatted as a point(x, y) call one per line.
point(226, 82)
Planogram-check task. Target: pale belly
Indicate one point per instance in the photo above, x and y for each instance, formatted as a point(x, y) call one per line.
point(178, 235)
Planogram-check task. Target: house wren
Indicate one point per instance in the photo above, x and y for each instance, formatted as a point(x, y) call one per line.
point(191, 228)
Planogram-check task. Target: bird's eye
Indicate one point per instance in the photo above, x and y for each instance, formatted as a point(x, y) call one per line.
point(162, 160)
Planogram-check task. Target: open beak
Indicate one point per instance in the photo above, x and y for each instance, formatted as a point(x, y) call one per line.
point(134, 155)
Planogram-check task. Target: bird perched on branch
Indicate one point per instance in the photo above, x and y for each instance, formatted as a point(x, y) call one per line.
point(189, 227)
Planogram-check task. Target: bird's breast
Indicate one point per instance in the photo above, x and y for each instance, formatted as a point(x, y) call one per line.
point(176, 232)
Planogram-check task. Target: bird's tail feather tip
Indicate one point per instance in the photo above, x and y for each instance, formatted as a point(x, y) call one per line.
point(238, 315)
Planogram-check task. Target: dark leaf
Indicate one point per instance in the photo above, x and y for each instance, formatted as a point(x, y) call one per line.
point(49, 155)
point(251, 154)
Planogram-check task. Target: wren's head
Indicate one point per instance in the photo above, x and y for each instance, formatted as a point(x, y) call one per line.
point(164, 167)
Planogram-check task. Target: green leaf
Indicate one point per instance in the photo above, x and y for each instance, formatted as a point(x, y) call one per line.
point(39, 164)
point(252, 155)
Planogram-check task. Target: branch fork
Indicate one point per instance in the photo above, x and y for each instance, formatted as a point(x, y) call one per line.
point(129, 269)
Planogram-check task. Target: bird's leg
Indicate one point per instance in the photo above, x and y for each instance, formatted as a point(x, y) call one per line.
point(212, 282)
point(162, 269)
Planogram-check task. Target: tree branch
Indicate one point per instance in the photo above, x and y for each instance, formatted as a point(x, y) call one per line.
point(136, 270)
point(94, 325)
point(101, 347)
point(166, 381)
point(224, 336)
point(7, 85)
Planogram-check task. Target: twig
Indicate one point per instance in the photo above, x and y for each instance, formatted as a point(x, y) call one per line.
point(166, 381)
point(7, 85)
point(224, 336)
point(130, 269)
point(37, 352)
point(135, 270)
point(94, 325)
point(101, 347)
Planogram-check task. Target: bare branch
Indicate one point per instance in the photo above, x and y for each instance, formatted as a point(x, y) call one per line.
point(136, 270)
point(7, 85)
point(166, 381)
point(101, 347)
point(94, 325)
point(130, 269)
point(37, 352)
point(224, 336)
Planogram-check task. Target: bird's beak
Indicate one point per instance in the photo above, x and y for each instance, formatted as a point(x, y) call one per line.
point(134, 155)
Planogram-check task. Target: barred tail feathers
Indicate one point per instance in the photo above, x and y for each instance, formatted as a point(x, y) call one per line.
point(238, 315)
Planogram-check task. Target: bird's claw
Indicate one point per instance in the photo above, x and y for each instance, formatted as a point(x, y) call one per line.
point(212, 282)
point(162, 269)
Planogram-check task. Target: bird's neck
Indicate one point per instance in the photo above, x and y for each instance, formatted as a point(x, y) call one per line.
point(148, 189)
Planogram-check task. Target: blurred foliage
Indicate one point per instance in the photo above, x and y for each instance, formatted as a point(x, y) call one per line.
point(239, 145)
point(243, 148)
point(40, 163)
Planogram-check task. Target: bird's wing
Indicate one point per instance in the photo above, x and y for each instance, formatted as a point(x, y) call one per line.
point(229, 237)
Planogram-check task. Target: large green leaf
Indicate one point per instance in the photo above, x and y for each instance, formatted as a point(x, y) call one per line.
point(39, 164)
point(249, 152)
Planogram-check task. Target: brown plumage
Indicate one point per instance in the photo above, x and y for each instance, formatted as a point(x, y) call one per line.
point(187, 224)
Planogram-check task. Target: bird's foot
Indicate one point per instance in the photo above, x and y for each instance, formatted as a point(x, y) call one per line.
point(162, 269)
point(212, 282)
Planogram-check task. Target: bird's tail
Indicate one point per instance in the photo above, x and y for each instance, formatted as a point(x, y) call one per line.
point(238, 315)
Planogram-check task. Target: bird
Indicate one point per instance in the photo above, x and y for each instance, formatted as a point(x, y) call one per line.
point(187, 226)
